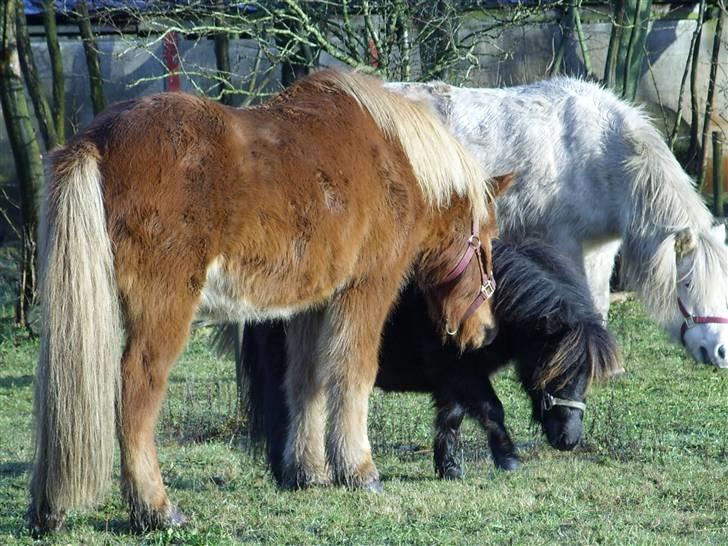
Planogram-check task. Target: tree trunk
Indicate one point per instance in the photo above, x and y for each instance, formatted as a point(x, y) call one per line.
point(693, 151)
point(567, 24)
point(586, 58)
point(96, 84)
point(615, 39)
point(26, 152)
point(439, 23)
point(714, 57)
point(717, 173)
point(636, 47)
point(43, 112)
point(222, 57)
point(54, 53)
point(299, 62)
point(626, 46)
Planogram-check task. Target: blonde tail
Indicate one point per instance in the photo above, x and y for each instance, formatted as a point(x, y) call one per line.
point(78, 376)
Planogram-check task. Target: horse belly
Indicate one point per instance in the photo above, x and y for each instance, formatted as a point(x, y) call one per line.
point(224, 298)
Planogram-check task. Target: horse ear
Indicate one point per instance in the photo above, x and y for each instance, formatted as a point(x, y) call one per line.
point(502, 182)
point(685, 242)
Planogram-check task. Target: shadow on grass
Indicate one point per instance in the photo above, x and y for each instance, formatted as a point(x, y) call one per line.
point(16, 381)
point(14, 469)
point(117, 526)
point(386, 478)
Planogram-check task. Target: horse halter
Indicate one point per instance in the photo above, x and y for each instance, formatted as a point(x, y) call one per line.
point(549, 401)
point(691, 320)
point(487, 281)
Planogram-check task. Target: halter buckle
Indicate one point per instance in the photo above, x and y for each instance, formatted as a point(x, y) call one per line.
point(547, 402)
point(487, 289)
point(689, 321)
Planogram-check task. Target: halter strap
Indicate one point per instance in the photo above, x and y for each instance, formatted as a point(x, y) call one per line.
point(473, 245)
point(691, 320)
point(487, 281)
point(549, 401)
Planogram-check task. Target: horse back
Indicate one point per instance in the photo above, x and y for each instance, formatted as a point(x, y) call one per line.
point(305, 192)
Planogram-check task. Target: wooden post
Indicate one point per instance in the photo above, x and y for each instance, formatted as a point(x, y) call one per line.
point(718, 173)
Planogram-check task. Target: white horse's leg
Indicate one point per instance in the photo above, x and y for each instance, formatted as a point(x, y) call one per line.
point(598, 266)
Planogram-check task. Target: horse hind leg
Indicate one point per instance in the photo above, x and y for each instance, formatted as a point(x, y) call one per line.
point(304, 461)
point(155, 340)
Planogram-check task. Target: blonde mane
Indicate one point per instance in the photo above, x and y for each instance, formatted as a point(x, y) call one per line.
point(441, 164)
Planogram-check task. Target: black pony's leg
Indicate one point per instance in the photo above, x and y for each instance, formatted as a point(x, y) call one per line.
point(447, 434)
point(490, 414)
point(264, 360)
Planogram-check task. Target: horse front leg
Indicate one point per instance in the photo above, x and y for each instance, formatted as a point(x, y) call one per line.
point(598, 265)
point(304, 459)
point(351, 335)
point(447, 435)
point(491, 416)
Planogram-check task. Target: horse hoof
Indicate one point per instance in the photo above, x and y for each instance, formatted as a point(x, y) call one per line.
point(451, 473)
point(42, 523)
point(508, 463)
point(176, 517)
point(374, 486)
point(294, 480)
point(143, 520)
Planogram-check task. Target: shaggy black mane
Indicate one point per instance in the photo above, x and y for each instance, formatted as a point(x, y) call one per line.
point(535, 283)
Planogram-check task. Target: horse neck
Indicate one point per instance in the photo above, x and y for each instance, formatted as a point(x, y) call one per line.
point(664, 201)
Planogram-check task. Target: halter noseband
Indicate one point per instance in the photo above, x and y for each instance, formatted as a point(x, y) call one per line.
point(691, 320)
point(487, 281)
point(549, 401)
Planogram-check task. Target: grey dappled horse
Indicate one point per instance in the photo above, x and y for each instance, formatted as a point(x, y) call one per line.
point(593, 175)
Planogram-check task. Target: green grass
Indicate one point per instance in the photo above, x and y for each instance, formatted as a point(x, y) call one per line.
point(653, 467)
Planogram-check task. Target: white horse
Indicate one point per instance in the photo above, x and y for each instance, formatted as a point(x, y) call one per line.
point(594, 174)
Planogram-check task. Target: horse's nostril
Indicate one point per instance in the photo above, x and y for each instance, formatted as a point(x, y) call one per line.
point(721, 352)
point(704, 355)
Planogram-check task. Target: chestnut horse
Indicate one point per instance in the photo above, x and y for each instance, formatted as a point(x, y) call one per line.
point(314, 207)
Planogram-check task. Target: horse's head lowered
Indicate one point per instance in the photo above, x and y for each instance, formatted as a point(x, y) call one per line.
point(701, 310)
point(460, 282)
point(553, 331)
point(574, 356)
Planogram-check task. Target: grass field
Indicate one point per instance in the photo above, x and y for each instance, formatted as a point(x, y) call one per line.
point(653, 467)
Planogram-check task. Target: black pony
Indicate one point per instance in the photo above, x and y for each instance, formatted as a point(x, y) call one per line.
point(547, 324)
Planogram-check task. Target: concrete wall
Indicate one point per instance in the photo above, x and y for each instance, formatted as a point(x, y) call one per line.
point(508, 57)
